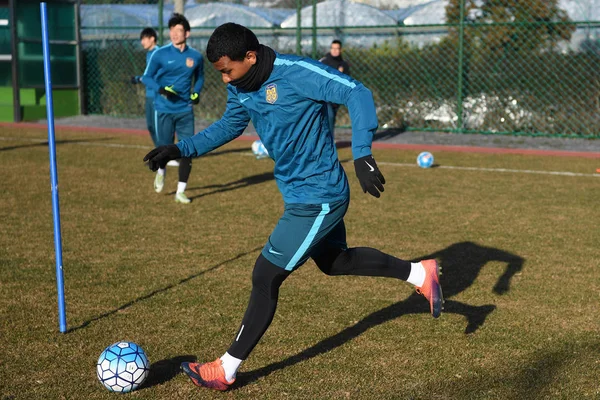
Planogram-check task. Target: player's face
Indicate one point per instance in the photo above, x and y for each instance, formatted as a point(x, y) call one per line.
point(178, 34)
point(147, 43)
point(231, 70)
point(335, 50)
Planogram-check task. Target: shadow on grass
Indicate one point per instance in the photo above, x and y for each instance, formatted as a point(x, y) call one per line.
point(461, 263)
point(161, 290)
point(226, 187)
point(165, 370)
point(44, 143)
point(541, 375)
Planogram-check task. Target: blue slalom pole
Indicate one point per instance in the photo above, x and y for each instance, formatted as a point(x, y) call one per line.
point(62, 315)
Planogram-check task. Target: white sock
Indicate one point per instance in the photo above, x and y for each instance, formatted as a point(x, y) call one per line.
point(181, 187)
point(230, 365)
point(417, 274)
point(161, 171)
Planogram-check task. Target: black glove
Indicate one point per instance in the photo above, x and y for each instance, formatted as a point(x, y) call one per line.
point(134, 79)
point(160, 156)
point(370, 178)
point(168, 92)
point(195, 98)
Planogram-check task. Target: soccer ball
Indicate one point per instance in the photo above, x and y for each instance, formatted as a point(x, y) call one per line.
point(425, 159)
point(259, 149)
point(122, 367)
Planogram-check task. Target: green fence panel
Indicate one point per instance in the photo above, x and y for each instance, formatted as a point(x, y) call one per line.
point(508, 67)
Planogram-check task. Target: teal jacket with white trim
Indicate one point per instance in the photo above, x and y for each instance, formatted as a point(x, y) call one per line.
point(289, 112)
point(169, 66)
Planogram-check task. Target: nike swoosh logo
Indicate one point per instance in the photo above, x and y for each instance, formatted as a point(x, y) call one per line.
point(244, 99)
point(275, 252)
point(372, 169)
point(172, 61)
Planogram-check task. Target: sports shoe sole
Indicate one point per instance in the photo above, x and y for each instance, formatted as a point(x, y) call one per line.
point(437, 297)
point(177, 200)
point(198, 381)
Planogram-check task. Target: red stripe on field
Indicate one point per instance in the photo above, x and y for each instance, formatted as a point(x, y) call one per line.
point(376, 145)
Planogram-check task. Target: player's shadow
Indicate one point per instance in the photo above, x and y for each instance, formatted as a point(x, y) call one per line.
point(161, 290)
point(165, 370)
point(529, 377)
point(44, 143)
point(461, 264)
point(226, 187)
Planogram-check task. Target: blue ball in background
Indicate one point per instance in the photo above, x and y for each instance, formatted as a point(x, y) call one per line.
point(425, 159)
point(259, 149)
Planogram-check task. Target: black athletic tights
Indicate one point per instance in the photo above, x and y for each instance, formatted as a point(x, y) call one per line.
point(267, 278)
point(185, 168)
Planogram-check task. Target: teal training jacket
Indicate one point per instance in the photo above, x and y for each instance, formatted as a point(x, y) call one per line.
point(168, 66)
point(289, 112)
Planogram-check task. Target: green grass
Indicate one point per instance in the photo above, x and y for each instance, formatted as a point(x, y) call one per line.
point(519, 251)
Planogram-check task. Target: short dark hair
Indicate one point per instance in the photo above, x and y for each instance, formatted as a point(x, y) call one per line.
point(337, 42)
point(178, 19)
point(149, 33)
point(231, 40)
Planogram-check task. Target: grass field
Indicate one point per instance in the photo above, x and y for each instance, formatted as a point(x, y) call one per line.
point(519, 252)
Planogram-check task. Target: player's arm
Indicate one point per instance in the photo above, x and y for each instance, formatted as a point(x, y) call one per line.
point(198, 81)
point(231, 125)
point(331, 86)
point(152, 68)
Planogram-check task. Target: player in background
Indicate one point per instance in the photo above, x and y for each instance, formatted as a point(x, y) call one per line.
point(148, 39)
point(285, 97)
point(335, 60)
point(170, 72)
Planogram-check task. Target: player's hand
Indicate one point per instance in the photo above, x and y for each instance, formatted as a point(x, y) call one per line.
point(195, 98)
point(168, 92)
point(160, 156)
point(370, 178)
point(134, 80)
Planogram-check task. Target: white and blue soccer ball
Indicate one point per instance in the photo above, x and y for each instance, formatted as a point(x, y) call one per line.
point(259, 150)
point(122, 367)
point(425, 159)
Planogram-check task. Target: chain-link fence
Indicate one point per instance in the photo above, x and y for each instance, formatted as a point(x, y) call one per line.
point(491, 66)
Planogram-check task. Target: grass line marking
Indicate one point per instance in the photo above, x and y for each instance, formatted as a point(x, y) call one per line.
point(518, 171)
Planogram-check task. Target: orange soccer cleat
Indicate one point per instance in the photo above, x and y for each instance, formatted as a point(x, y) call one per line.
point(210, 375)
point(431, 288)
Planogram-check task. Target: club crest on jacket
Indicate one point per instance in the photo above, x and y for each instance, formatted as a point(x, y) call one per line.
point(271, 93)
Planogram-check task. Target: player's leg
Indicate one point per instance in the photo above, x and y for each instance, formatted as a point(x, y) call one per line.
point(331, 117)
point(150, 119)
point(333, 257)
point(165, 134)
point(300, 228)
point(335, 107)
point(220, 374)
point(185, 129)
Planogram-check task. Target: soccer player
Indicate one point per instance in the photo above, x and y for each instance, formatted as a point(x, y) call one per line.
point(148, 38)
point(285, 97)
point(335, 60)
point(169, 72)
